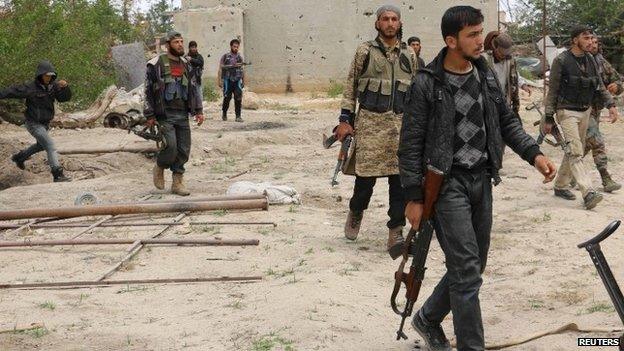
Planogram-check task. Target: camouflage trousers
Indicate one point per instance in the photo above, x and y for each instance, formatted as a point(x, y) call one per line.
point(595, 143)
point(376, 143)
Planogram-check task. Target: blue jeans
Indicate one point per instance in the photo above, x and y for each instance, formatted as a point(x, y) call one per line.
point(463, 223)
point(44, 142)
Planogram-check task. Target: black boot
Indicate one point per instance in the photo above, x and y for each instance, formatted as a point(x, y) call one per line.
point(432, 335)
point(57, 173)
point(224, 116)
point(19, 160)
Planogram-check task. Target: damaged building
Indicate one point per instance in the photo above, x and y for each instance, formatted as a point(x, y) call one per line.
point(299, 45)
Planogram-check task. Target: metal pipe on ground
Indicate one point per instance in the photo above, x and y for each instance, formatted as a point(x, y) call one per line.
point(79, 284)
point(206, 198)
point(128, 224)
point(136, 247)
point(94, 210)
point(108, 150)
point(189, 242)
point(103, 220)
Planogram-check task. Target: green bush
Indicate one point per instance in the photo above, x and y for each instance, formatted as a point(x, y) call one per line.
point(335, 89)
point(75, 36)
point(210, 90)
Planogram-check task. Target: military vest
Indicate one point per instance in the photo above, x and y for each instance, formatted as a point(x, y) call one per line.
point(232, 73)
point(383, 85)
point(175, 88)
point(577, 86)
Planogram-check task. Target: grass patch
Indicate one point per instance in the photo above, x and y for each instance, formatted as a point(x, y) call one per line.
point(335, 89)
point(547, 217)
point(599, 307)
point(270, 342)
point(237, 305)
point(49, 305)
point(210, 90)
point(38, 332)
point(219, 213)
point(536, 304)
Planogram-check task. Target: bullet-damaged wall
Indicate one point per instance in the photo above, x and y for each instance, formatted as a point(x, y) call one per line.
point(306, 44)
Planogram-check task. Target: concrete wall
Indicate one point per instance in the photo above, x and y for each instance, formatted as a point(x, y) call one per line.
point(305, 43)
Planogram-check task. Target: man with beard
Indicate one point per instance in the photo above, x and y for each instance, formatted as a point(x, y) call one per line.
point(379, 78)
point(457, 121)
point(40, 95)
point(414, 42)
point(197, 62)
point(595, 141)
point(575, 86)
point(231, 78)
point(170, 96)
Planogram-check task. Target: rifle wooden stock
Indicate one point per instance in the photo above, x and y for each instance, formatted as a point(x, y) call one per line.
point(413, 279)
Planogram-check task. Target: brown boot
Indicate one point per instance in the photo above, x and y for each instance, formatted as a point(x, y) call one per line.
point(177, 187)
point(395, 242)
point(352, 225)
point(159, 177)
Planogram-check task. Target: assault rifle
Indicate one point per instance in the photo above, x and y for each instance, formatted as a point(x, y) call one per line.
point(593, 247)
point(342, 157)
point(416, 244)
point(134, 122)
point(236, 65)
point(556, 133)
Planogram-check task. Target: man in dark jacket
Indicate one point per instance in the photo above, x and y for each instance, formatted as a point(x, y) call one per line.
point(231, 78)
point(170, 96)
point(40, 95)
point(456, 121)
point(197, 62)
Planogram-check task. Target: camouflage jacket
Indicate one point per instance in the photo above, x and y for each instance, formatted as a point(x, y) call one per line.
point(609, 75)
point(349, 96)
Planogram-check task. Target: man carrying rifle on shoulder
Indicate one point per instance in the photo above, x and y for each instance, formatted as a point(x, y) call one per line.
point(457, 122)
point(379, 78)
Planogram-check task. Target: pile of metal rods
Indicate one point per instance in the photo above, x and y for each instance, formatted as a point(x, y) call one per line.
point(46, 217)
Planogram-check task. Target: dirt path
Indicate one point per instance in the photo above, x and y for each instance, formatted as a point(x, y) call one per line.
point(320, 292)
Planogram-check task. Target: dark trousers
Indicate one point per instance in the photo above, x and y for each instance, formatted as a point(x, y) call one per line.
point(463, 223)
point(177, 132)
point(363, 191)
point(233, 88)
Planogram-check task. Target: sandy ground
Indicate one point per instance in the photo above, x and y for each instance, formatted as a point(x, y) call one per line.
point(319, 292)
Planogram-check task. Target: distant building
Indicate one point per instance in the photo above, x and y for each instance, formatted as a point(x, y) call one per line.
point(306, 43)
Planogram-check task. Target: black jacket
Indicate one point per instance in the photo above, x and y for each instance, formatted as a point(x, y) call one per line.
point(428, 126)
point(197, 61)
point(39, 98)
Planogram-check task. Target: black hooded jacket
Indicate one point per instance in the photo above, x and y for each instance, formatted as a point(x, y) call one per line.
point(39, 98)
point(428, 128)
